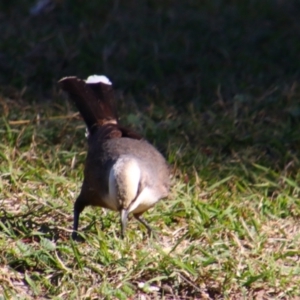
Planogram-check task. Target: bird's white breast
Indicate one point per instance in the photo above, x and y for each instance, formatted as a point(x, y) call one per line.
point(146, 199)
point(123, 182)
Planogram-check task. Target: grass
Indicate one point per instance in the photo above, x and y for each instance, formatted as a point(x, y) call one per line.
point(216, 94)
point(229, 228)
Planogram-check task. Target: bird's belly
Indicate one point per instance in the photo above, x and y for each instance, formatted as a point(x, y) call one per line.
point(111, 202)
point(146, 199)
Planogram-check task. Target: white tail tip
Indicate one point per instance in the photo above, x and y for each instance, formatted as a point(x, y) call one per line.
point(97, 79)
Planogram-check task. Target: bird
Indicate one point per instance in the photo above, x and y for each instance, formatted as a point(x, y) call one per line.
point(123, 172)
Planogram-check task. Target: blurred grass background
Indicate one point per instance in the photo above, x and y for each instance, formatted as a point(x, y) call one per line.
point(215, 85)
point(179, 52)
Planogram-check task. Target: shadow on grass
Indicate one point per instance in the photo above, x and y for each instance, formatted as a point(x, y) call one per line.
point(33, 225)
point(218, 76)
point(158, 52)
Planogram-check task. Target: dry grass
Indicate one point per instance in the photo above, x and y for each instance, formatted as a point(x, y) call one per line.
point(217, 94)
point(229, 229)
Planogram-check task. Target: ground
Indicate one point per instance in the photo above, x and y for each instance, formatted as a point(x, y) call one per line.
point(215, 86)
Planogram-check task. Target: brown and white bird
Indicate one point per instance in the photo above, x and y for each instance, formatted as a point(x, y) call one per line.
point(123, 172)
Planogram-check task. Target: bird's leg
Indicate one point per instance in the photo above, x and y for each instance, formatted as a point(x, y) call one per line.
point(78, 208)
point(75, 224)
point(143, 221)
point(124, 219)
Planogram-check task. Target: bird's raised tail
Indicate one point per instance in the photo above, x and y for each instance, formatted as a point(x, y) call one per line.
point(94, 98)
